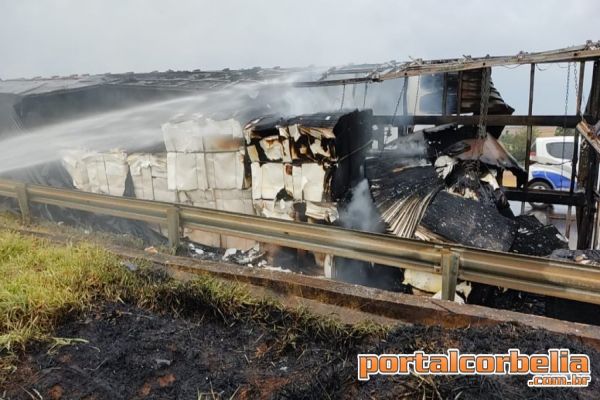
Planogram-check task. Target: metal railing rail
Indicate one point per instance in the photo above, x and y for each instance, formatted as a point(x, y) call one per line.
point(531, 274)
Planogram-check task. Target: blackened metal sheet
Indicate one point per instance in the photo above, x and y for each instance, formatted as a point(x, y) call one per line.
point(469, 222)
point(536, 239)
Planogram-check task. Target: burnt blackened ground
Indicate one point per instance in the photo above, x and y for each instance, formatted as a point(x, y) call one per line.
point(486, 340)
point(132, 353)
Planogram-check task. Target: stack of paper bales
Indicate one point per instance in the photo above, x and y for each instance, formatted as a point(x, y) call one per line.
point(104, 173)
point(301, 166)
point(206, 168)
point(72, 160)
point(149, 177)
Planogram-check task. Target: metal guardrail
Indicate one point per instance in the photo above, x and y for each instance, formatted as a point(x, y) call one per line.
point(531, 274)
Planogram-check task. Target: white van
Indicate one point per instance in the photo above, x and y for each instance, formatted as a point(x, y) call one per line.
point(551, 163)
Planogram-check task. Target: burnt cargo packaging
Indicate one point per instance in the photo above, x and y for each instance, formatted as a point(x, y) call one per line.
point(336, 141)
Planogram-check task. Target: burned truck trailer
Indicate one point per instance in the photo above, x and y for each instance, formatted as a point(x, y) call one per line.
point(431, 169)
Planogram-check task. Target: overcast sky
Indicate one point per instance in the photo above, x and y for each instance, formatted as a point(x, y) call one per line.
point(62, 37)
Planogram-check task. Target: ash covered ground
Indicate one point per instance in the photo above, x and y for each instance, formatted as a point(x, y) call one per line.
point(131, 353)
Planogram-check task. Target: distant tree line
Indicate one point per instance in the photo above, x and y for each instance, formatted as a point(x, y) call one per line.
point(516, 141)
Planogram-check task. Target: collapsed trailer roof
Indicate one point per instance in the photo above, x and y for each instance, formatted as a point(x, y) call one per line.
point(176, 80)
point(29, 103)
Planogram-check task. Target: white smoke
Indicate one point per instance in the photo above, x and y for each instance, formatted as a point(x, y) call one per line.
point(139, 126)
point(360, 213)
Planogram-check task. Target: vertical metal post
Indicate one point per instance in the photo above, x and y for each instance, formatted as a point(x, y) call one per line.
point(587, 173)
point(445, 95)
point(450, 263)
point(575, 145)
point(173, 227)
point(459, 93)
point(595, 231)
point(404, 107)
point(529, 130)
point(23, 200)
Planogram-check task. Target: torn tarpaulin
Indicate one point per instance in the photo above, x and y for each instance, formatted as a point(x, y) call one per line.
point(454, 201)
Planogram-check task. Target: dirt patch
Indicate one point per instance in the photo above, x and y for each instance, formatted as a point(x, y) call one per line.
point(132, 353)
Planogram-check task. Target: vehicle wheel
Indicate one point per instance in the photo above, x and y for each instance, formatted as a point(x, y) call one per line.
point(539, 185)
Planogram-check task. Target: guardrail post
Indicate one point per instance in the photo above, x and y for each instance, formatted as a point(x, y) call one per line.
point(450, 261)
point(173, 227)
point(22, 199)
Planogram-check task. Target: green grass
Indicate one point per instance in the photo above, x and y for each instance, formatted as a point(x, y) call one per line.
point(43, 283)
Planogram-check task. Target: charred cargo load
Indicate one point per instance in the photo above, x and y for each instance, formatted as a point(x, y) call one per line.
point(302, 166)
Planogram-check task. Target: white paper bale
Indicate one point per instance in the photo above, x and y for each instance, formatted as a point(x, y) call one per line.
point(239, 205)
point(186, 171)
point(313, 182)
point(256, 180)
point(221, 135)
point(107, 172)
point(297, 182)
point(183, 136)
point(272, 180)
point(149, 176)
point(225, 170)
point(162, 192)
point(73, 162)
